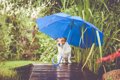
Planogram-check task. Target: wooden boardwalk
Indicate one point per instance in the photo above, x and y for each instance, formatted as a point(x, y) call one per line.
point(63, 72)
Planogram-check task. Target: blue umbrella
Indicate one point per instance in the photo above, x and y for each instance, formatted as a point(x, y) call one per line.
point(77, 31)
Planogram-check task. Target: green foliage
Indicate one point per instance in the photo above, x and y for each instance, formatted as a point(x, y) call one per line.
point(19, 39)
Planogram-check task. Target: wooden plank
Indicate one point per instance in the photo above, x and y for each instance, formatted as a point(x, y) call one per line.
point(63, 72)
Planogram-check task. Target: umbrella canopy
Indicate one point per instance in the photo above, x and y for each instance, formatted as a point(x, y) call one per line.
point(77, 31)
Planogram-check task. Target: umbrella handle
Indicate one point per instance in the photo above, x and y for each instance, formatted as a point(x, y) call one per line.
point(56, 64)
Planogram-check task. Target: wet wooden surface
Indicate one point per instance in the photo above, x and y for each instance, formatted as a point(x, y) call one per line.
point(63, 72)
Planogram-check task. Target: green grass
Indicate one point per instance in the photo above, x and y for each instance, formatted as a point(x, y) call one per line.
point(7, 66)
